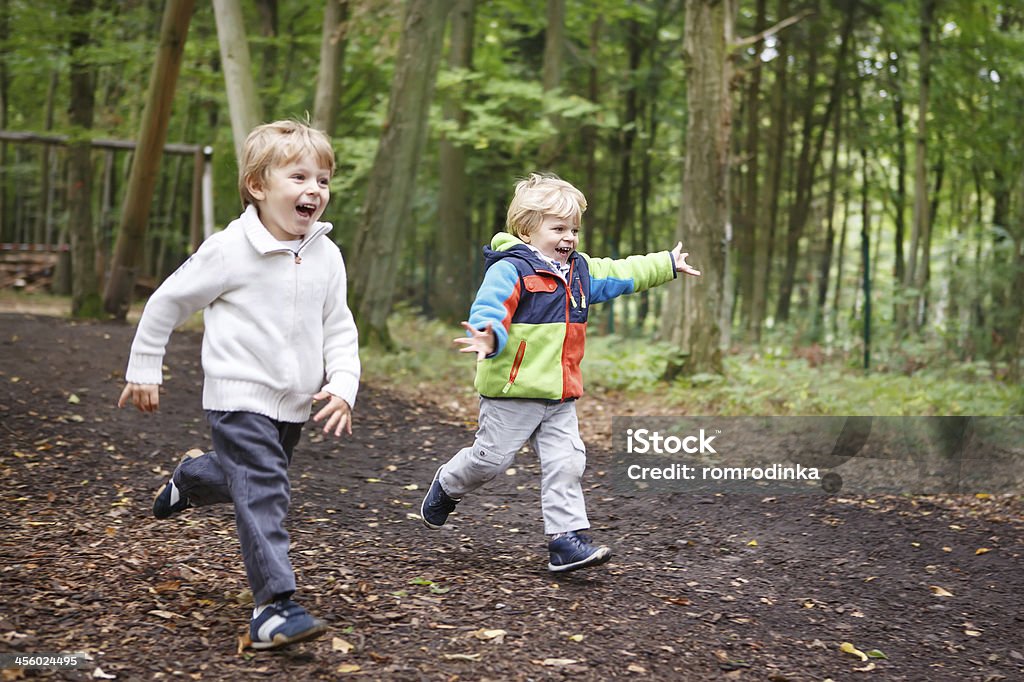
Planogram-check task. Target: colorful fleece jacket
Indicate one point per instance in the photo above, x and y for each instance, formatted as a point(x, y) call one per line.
point(539, 318)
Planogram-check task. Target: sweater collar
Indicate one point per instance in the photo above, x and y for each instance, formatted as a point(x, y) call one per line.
point(264, 242)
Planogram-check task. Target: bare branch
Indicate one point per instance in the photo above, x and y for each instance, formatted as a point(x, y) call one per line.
point(772, 30)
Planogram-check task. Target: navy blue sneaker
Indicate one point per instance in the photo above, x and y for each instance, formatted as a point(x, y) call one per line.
point(282, 623)
point(572, 551)
point(436, 505)
point(169, 501)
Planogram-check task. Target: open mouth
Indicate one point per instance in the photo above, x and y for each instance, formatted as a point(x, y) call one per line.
point(563, 250)
point(306, 210)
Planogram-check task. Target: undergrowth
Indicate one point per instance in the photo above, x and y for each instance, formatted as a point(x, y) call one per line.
point(772, 379)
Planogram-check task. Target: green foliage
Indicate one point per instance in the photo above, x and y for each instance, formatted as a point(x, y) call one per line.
point(770, 381)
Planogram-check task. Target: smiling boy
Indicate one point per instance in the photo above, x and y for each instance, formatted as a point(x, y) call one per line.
point(272, 290)
point(527, 327)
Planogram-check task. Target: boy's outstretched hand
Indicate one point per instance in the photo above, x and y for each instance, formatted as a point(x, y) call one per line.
point(479, 342)
point(337, 412)
point(679, 258)
point(146, 397)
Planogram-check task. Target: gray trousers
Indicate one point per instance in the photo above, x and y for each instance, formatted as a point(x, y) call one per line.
point(249, 467)
point(553, 431)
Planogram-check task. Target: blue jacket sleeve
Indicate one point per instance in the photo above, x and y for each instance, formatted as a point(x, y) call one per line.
point(496, 302)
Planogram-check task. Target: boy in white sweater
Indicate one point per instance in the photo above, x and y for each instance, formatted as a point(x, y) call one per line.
point(273, 293)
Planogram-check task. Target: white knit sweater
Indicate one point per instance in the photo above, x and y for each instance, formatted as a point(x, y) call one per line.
point(277, 322)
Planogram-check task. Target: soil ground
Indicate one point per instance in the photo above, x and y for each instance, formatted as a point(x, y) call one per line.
point(716, 587)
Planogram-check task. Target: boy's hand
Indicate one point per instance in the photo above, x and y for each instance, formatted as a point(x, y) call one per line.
point(146, 397)
point(479, 342)
point(679, 259)
point(337, 412)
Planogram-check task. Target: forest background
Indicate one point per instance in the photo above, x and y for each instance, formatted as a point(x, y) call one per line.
point(849, 175)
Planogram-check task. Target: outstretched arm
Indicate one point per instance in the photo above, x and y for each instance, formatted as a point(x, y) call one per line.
point(679, 258)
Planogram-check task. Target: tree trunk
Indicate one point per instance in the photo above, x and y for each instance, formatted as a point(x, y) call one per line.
point(85, 295)
point(386, 209)
point(825, 268)
point(900, 200)
point(810, 154)
point(694, 316)
point(865, 237)
point(243, 104)
point(770, 201)
point(925, 267)
point(5, 77)
point(332, 60)
point(749, 216)
point(452, 288)
point(590, 132)
point(267, 10)
point(146, 163)
point(914, 277)
point(551, 74)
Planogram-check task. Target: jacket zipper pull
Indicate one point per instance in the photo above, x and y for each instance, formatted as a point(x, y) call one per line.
point(507, 388)
point(573, 299)
point(298, 258)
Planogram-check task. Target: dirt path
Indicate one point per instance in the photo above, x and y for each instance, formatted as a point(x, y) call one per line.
point(701, 588)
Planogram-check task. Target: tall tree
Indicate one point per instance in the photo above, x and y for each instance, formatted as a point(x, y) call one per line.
point(332, 58)
point(450, 295)
point(915, 275)
point(693, 316)
point(148, 151)
point(749, 217)
point(811, 148)
point(551, 72)
point(85, 295)
point(387, 207)
point(770, 200)
point(243, 103)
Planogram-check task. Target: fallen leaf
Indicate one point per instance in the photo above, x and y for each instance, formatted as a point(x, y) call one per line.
point(982, 550)
point(752, 543)
point(972, 633)
point(555, 662)
point(634, 668)
point(244, 642)
point(939, 592)
point(575, 638)
point(411, 486)
point(74, 399)
point(866, 669)
point(348, 668)
point(875, 653)
point(461, 657)
point(164, 614)
point(339, 644)
point(848, 648)
point(485, 634)
point(100, 675)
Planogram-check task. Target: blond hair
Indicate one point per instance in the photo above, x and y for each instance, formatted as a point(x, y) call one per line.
point(275, 144)
point(539, 195)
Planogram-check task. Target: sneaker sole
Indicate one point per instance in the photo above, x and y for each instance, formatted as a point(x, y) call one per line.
point(601, 556)
point(280, 640)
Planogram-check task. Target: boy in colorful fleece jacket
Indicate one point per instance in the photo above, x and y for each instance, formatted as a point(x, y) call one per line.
point(528, 328)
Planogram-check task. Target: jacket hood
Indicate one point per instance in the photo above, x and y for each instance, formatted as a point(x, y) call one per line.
point(504, 245)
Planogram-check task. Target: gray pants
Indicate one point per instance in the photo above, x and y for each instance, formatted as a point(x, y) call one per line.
point(249, 467)
point(553, 431)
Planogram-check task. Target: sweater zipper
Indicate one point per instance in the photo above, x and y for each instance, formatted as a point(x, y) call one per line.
point(520, 352)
